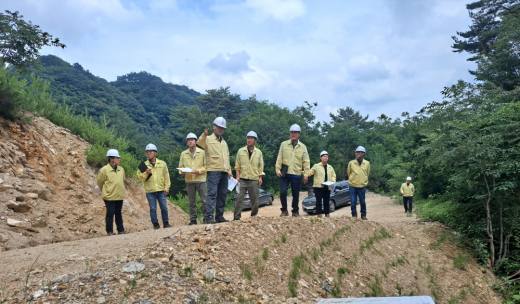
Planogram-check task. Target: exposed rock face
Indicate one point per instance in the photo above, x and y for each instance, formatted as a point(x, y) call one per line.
point(47, 186)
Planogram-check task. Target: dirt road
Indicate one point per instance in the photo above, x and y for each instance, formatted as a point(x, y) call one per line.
point(381, 209)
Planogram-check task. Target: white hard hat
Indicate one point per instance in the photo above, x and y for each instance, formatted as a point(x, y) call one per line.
point(113, 153)
point(295, 128)
point(324, 153)
point(361, 149)
point(151, 147)
point(252, 134)
point(408, 178)
point(191, 136)
point(220, 122)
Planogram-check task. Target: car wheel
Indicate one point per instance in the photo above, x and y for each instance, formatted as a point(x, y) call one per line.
point(332, 205)
point(271, 201)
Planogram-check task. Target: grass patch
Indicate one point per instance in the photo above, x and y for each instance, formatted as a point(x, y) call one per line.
point(315, 253)
point(436, 210)
point(379, 235)
point(259, 264)
point(298, 265)
point(399, 261)
point(186, 272)
point(341, 272)
point(459, 298)
point(265, 254)
point(336, 290)
point(460, 261)
point(441, 240)
point(283, 238)
point(293, 288)
point(432, 277)
point(375, 288)
point(247, 273)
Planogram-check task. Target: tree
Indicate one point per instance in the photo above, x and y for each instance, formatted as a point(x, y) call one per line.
point(20, 40)
point(501, 66)
point(486, 18)
point(221, 102)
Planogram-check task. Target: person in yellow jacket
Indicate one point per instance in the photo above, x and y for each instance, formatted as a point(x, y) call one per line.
point(219, 170)
point(358, 171)
point(249, 165)
point(156, 180)
point(407, 191)
point(194, 158)
point(292, 162)
point(111, 182)
point(323, 172)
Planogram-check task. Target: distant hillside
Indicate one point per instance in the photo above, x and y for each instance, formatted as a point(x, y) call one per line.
point(137, 105)
point(156, 96)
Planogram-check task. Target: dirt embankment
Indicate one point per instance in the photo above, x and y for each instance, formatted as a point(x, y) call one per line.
point(48, 191)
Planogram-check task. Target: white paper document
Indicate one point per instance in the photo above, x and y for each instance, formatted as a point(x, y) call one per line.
point(328, 184)
point(232, 183)
point(185, 170)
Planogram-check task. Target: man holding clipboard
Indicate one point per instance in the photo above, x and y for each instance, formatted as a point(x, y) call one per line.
point(192, 165)
point(324, 176)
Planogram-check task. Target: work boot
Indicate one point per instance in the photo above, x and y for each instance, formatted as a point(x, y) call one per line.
point(156, 226)
point(121, 232)
point(284, 213)
point(364, 217)
point(166, 225)
point(354, 215)
point(295, 214)
point(194, 222)
point(222, 220)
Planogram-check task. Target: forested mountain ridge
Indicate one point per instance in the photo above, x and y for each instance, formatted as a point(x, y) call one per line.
point(137, 104)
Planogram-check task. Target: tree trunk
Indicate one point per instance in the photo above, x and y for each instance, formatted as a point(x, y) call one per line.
point(489, 226)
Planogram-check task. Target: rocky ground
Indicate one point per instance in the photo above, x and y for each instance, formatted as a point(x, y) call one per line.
point(48, 192)
point(261, 260)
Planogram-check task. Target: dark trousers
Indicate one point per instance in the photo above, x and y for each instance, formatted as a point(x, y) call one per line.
point(114, 210)
point(322, 195)
point(407, 202)
point(217, 194)
point(356, 193)
point(295, 181)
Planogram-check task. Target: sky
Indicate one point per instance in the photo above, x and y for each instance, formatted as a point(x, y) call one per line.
point(378, 56)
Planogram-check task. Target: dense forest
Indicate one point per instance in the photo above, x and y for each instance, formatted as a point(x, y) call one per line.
point(463, 151)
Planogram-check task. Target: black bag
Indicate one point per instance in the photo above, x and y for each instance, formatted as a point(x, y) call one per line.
point(143, 167)
point(284, 170)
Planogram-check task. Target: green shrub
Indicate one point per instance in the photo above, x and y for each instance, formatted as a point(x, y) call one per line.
point(10, 94)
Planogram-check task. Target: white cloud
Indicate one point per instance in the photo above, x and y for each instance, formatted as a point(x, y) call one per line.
point(231, 63)
point(282, 10)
